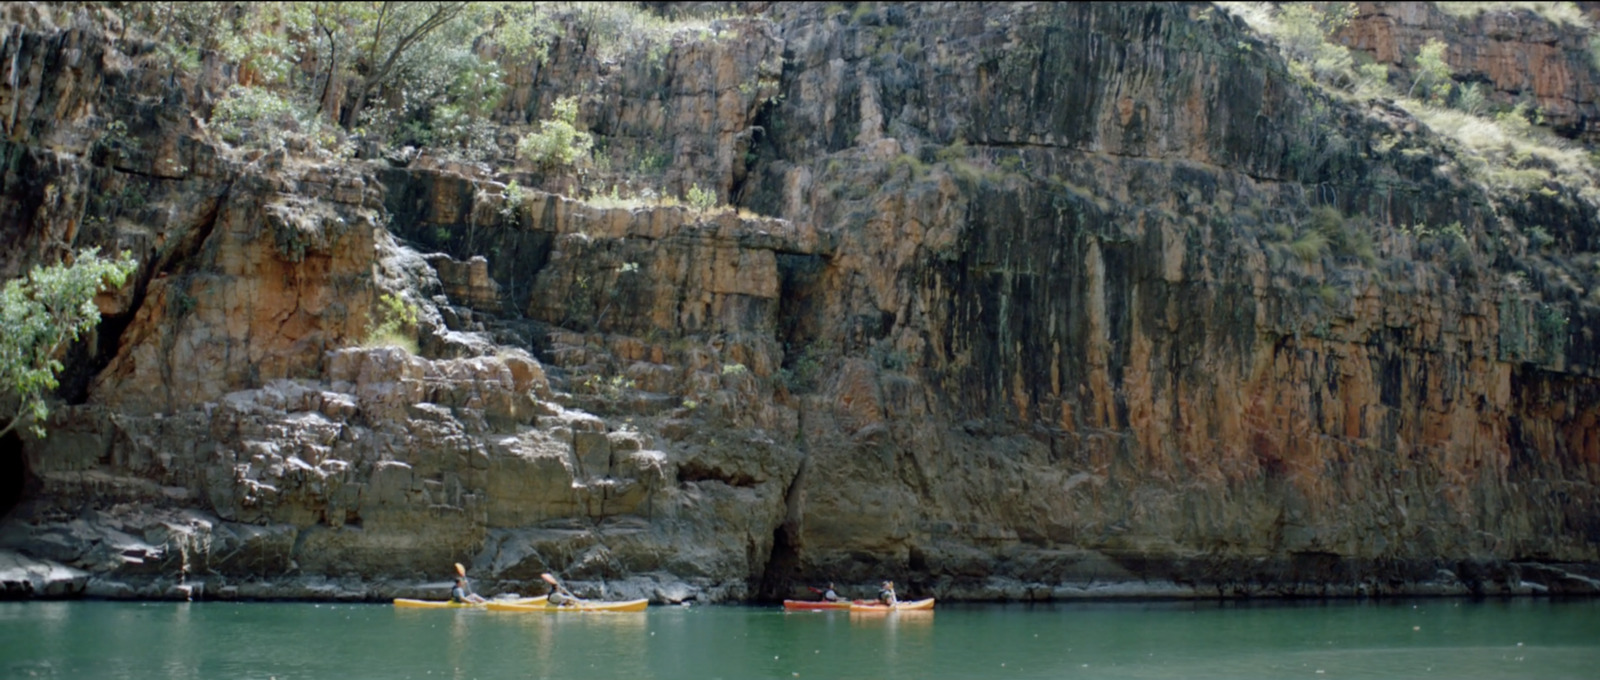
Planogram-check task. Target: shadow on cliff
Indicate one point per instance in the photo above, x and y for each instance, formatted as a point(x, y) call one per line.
point(13, 472)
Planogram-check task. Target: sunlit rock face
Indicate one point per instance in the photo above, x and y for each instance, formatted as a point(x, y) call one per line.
point(1014, 310)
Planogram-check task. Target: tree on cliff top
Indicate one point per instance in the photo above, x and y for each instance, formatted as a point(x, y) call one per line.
point(396, 28)
point(40, 314)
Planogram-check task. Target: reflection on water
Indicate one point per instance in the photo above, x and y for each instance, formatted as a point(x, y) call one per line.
point(565, 644)
point(905, 634)
point(1433, 638)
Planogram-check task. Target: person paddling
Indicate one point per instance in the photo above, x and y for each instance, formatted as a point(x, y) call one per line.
point(559, 595)
point(462, 592)
point(830, 594)
point(886, 594)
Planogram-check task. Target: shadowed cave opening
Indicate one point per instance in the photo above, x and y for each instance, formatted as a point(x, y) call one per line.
point(13, 472)
point(781, 566)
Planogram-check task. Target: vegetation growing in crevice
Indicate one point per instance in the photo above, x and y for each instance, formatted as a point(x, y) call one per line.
point(395, 324)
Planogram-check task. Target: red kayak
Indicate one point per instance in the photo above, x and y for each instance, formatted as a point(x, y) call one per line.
point(814, 605)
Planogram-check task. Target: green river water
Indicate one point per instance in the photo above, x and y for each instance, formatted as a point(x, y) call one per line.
point(1427, 638)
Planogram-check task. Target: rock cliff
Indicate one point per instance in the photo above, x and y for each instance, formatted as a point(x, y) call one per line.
point(1007, 301)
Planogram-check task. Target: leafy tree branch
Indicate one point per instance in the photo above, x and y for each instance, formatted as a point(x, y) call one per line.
point(42, 313)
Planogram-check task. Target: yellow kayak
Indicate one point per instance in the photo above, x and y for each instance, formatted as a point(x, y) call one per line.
point(446, 604)
point(914, 605)
point(585, 606)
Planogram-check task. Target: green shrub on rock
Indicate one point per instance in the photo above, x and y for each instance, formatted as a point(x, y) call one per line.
point(558, 143)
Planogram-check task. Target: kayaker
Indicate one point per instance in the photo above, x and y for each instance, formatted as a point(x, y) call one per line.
point(886, 594)
point(561, 597)
point(463, 594)
point(829, 594)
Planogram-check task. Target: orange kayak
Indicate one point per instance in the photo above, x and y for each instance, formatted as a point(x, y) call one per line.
point(815, 605)
point(910, 606)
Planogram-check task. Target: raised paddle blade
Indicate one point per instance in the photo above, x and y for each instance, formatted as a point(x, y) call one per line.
point(460, 570)
point(549, 579)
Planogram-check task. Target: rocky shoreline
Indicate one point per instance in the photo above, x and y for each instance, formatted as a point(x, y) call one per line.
point(28, 578)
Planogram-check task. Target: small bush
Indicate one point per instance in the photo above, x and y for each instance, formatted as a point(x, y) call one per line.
point(513, 202)
point(397, 325)
point(253, 116)
point(701, 200)
point(558, 143)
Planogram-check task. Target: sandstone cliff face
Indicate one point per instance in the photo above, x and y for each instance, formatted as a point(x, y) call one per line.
point(1024, 323)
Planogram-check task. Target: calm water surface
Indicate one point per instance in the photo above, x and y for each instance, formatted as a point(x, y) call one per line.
point(1456, 639)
